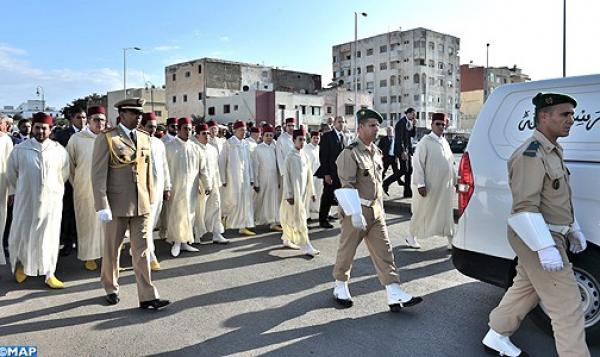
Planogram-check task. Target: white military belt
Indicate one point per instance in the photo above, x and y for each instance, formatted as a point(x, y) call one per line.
point(560, 229)
point(367, 203)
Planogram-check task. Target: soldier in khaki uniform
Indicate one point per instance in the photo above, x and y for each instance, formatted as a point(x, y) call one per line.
point(122, 185)
point(541, 227)
point(360, 167)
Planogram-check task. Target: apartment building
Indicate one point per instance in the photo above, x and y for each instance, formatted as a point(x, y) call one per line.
point(417, 68)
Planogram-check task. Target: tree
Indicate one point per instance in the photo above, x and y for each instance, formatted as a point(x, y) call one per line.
point(80, 104)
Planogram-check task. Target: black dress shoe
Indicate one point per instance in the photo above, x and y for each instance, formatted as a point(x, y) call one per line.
point(407, 195)
point(386, 190)
point(412, 302)
point(331, 218)
point(326, 225)
point(345, 303)
point(112, 299)
point(154, 304)
point(66, 251)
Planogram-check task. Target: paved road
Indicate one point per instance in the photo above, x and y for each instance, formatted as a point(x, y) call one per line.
point(254, 298)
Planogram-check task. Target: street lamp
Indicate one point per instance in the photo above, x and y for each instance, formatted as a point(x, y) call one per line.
point(151, 86)
point(487, 65)
point(355, 66)
point(564, 38)
point(39, 90)
point(125, 67)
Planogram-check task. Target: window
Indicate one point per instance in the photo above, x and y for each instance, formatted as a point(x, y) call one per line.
point(450, 68)
point(420, 61)
point(432, 63)
point(235, 107)
point(329, 110)
point(384, 116)
point(394, 65)
point(349, 109)
point(383, 49)
point(358, 70)
point(281, 107)
point(383, 66)
point(158, 113)
point(431, 81)
point(315, 110)
point(417, 98)
point(441, 48)
point(174, 77)
point(174, 99)
point(211, 110)
point(303, 109)
point(406, 42)
point(348, 72)
point(226, 109)
point(358, 54)
point(187, 74)
point(185, 97)
point(416, 78)
point(405, 78)
point(406, 60)
point(199, 95)
point(392, 81)
point(199, 68)
point(370, 85)
point(393, 99)
point(370, 68)
point(383, 83)
point(348, 57)
point(369, 52)
point(440, 65)
point(450, 51)
point(431, 45)
point(334, 75)
point(334, 59)
point(357, 86)
point(392, 116)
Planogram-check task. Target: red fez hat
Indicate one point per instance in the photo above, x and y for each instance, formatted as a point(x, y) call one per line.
point(171, 121)
point(239, 124)
point(148, 116)
point(298, 132)
point(254, 129)
point(41, 117)
point(201, 127)
point(184, 121)
point(438, 116)
point(267, 129)
point(315, 133)
point(211, 123)
point(290, 120)
point(96, 110)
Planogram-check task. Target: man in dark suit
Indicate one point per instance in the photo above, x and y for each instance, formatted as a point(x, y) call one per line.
point(405, 129)
point(386, 145)
point(68, 230)
point(332, 144)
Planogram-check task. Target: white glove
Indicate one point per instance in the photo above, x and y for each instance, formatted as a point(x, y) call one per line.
point(550, 259)
point(104, 215)
point(358, 221)
point(577, 242)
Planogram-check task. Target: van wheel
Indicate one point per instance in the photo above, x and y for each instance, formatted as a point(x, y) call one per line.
point(587, 275)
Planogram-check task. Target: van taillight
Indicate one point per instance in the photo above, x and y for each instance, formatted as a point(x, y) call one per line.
point(465, 183)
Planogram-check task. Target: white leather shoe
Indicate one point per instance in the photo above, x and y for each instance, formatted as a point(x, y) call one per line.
point(219, 239)
point(288, 244)
point(412, 242)
point(500, 344)
point(175, 249)
point(398, 298)
point(188, 248)
point(308, 249)
point(341, 294)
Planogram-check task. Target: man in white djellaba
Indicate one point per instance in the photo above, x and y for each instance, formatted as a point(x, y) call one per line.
point(38, 169)
point(285, 141)
point(312, 153)
point(188, 168)
point(297, 189)
point(237, 177)
point(90, 230)
point(267, 198)
point(208, 207)
point(434, 176)
point(6, 147)
point(161, 179)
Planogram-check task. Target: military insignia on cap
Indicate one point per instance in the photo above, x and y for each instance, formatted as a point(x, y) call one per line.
point(549, 100)
point(362, 112)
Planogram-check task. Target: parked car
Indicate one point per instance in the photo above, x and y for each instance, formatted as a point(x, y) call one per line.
point(458, 144)
point(480, 245)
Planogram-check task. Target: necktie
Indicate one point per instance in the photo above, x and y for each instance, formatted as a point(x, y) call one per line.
point(342, 140)
point(132, 136)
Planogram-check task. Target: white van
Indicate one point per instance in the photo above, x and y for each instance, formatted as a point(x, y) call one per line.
point(481, 248)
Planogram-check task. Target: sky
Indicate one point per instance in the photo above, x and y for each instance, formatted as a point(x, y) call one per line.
point(75, 48)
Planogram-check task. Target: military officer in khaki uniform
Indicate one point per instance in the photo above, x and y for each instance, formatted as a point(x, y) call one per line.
point(122, 186)
point(360, 167)
point(541, 227)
